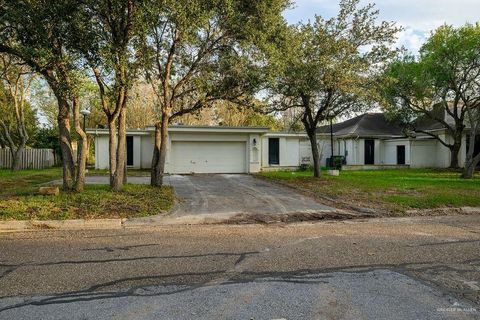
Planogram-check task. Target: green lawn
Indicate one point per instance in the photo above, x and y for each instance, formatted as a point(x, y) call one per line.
point(25, 181)
point(18, 199)
point(393, 190)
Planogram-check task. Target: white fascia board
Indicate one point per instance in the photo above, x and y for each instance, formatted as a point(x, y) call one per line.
point(130, 132)
point(208, 129)
point(360, 137)
point(285, 134)
point(192, 129)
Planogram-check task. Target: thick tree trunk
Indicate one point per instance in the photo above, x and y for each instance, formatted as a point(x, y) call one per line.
point(454, 151)
point(315, 154)
point(66, 150)
point(471, 161)
point(121, 154)
point(15, 151)
point(470, 166)
point(160, 151)
point(82, 152)
point(17, 157)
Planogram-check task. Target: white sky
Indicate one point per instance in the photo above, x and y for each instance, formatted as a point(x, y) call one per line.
point(418, 17)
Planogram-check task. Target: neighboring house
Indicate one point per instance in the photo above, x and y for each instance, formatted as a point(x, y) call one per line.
point(366, 141)
point(370, 141)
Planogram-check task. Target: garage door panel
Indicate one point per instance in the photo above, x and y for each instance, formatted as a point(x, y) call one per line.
point(208, 157)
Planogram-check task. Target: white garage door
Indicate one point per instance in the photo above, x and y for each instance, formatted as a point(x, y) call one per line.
point(208, 157)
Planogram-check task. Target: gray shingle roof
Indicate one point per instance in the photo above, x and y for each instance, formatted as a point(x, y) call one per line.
point(365, 125)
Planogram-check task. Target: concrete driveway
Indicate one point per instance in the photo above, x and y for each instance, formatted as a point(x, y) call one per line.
point(227, 194)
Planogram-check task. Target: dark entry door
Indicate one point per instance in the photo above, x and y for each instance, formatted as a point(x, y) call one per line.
point(273, 151)
point(129, 151)
point(400, 154)
point(369, 151)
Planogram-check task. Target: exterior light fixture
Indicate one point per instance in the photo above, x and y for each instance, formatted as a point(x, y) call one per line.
point(85, 113)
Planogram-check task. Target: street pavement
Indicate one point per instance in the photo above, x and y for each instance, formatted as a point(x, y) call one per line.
point(397, 268)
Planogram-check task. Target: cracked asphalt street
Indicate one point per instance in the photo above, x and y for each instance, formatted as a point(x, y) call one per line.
point(397, 268)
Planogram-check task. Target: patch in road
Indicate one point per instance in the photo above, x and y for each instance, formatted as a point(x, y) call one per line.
point(237, 194)
point(374, 294)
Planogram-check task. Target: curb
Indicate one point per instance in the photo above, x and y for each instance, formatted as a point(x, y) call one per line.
point(75, 224)
point(153, 221)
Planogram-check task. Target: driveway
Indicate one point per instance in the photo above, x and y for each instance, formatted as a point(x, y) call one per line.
point(227, 194)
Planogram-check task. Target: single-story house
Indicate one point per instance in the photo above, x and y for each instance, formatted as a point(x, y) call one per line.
point(211, 149)
point(366, 141)
point(370, 140)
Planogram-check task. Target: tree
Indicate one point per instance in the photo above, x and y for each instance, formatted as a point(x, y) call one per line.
point(468, 42)
point(15, 111)
point(439, 85)
point(225, 113)
point(326, 68)
point(35, 32)
point(472, 160)
point(199, 52)
point(102, 34)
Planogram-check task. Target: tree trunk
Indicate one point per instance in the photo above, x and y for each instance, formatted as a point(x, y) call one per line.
point(160, 151)
point(66, 150)
point(471, 161)
point(470, 166)
point(112, 148)
point(117, 183)
point(315, 154)
point(82, 152)
point(455, 150)
point(17, 157)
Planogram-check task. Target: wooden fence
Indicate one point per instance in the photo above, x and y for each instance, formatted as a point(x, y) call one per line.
point(31, 159)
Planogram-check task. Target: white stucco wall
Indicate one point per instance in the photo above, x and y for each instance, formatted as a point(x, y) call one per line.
point(305, 151)
point(291, 151)
point(146, 151)
point(101, 152)
point(423, 153)
point(442, 154)
point(389, 151)
point(291, 156)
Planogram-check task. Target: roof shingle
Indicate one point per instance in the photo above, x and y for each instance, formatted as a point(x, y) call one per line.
point(365, 125)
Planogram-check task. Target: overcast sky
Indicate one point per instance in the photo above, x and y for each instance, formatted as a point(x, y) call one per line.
point(418, 17)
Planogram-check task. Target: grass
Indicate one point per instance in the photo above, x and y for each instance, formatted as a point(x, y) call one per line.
point(24, 182)
point(394, 190)
point(19, 201)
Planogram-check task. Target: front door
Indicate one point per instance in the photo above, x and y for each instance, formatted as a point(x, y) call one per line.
point(129, 151)
point(369, 151)
point(273, 151)
point(400, 154)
